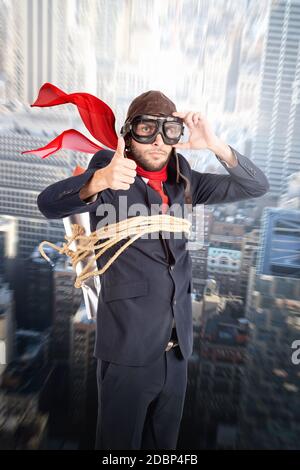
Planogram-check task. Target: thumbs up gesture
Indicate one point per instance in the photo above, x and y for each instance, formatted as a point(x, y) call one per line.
point(120, 173)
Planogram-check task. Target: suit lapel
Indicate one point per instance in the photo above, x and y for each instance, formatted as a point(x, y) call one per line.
point(174, 192)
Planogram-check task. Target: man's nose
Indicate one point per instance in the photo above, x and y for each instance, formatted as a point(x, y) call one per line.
point(159, 140)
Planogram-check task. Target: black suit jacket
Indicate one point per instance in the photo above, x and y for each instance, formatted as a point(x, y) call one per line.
point(150, 282)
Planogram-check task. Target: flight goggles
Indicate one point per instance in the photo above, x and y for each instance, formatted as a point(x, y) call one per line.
point(145, 127)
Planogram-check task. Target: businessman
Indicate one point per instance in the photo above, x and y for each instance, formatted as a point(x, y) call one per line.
point(144, 331)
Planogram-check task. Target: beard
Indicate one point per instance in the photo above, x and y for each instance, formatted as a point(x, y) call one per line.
point(143, 159)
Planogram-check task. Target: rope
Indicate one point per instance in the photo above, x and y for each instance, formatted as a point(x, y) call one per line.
point(134, 227)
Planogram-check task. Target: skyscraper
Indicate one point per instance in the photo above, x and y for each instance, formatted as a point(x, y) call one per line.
point(276, 145)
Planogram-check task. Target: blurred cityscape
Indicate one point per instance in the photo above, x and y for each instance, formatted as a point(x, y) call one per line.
point(238, 62)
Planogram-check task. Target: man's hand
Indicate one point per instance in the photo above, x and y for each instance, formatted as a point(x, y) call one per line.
point(201, 135)
point(118, 174)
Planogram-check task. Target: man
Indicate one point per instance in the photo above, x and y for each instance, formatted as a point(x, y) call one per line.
point(144, 320)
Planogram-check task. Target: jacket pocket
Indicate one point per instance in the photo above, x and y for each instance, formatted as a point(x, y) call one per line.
point(125, 290)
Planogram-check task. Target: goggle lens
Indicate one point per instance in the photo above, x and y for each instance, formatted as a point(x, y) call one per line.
point(145, 128)
point(148, 128)
point(172, 129)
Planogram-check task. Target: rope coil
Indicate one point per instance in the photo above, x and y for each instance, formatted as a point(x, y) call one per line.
point(133, 227)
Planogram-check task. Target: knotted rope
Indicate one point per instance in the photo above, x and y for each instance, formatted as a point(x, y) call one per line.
point(133, 227)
